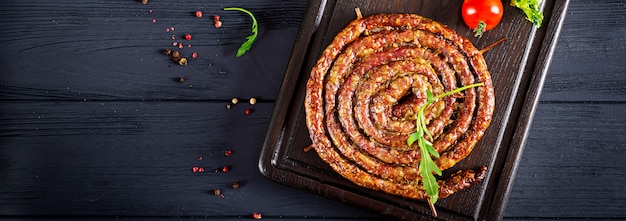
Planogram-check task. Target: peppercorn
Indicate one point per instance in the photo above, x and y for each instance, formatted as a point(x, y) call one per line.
point(175, 54)
point(249, 111)
point(168, 51)
point(199, 14)
point(217, 192)
point(195, 169)
point(228, 106)
point(252, 101)
point(228, 153)
point(235, 185)
point(181, 79)
point(144, 2)
point(216, 19)
point(256, 215)
point(194, 54)
point(225, 169)
point(188, 37)
point(182, 61)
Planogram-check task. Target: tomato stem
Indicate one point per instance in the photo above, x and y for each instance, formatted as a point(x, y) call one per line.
point(480, 29)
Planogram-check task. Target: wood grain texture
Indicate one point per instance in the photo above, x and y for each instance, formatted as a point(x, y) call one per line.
point(135, 159)
point(93, 126)
point(109, 50)
point(573, 163)
point(567, 169)
point(587, 64)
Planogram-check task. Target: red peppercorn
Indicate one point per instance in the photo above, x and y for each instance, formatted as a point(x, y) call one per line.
point(256, 215)
point(201, 170)
point(228, 153)
point(154, 20)
point(194, 54)
point(188, 37)
point(195, 169)
point(249, 111)
point(199, 14)
point(225, 169)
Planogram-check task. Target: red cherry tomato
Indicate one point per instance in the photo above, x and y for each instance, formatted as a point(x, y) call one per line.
point(482, 15)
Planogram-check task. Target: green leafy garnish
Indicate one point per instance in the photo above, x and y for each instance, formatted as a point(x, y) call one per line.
point(531, 9)
point(250, 39)
point(424, 140)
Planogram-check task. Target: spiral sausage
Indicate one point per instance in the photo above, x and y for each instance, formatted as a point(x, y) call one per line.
point(364, 91)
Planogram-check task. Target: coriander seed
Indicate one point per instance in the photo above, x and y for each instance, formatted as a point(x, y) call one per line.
point(234, 100)
point(252, 101)
point(182, 61)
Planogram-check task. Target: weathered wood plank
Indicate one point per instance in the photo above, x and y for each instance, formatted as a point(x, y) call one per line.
point(136, 159)
point(573, 164)
point(588, 62)
point(112, 50)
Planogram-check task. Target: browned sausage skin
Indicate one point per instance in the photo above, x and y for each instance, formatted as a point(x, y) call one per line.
point(364, 91)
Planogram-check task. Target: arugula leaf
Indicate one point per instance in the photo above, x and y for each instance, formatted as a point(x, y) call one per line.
point(250, 39)
point(428, 167)
point(531, 9)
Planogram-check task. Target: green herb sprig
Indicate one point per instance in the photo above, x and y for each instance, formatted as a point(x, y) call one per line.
point(530, 9)
point(250, 39)
point(427, 166)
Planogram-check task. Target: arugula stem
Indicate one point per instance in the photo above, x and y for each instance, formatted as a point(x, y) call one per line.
point(250, 39)
point(427, 165)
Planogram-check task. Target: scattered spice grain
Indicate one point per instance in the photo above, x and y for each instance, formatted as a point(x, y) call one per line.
point(249, 111)
point(256, 215)
point(182, 61)
point(226, 169)
point(195, 169)
point(252, 101)
point(168, 51)
point(188, 37)
point(228, 153)
point(194, 54)
point(144, 2)
point(235, 185)
point(216, 20)
point(234, 100)
point(217, 192)
point(199, 14)
point(181, 79)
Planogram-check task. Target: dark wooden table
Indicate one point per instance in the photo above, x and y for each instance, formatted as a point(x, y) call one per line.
point(94, 122)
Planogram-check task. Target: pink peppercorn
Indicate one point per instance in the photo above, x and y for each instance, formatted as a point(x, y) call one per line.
point(188, 37)
point(199, 14)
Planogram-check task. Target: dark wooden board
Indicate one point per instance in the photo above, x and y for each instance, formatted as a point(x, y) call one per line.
point(574, 156)
point(111, 50)
point(591, 46)
point(133, 159)
point(518, 69)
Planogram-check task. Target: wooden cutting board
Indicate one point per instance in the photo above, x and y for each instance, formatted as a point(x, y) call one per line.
point(518, 68)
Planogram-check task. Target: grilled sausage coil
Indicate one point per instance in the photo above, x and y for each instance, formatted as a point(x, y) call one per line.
point(363, 94)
